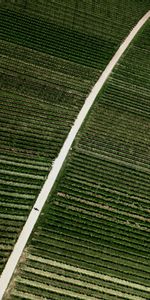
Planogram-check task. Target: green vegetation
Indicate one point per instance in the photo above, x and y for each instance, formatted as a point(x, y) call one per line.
point(118, 126)
point(92, 240)
point(41, 96)
point(46, 37)
point(109, 19)
point(34, 123)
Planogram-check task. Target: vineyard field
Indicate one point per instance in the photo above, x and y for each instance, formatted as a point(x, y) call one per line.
point(92, 240)
point(47, 38)
point(40, 99)
point(97, 18)
point(48, 67)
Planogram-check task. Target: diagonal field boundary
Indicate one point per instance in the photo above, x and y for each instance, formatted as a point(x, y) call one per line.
point(49, 183)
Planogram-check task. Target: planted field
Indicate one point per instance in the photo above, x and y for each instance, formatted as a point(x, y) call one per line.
point(37, 112)
point(40, 98)
point(47, 70)
point(92, 240)
point(111, 20)
point(118, 126)
point(47, 37)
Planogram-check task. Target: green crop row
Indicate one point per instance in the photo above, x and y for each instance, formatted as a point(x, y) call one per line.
point(46, 75)
point(81, 261)
point(38, 91)
point(76, 46)
point(95, 188)
point(96, 18)
point(96, 235)
point(106, 203)
point(74, 284)
point(98, 224)
point(50, 63)
point(103, 176)
point(72, 274)
point(92, 250)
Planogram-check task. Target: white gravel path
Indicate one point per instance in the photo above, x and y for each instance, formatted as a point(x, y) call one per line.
point(34, 214)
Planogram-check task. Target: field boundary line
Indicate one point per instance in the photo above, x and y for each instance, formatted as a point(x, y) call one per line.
point(56, 167)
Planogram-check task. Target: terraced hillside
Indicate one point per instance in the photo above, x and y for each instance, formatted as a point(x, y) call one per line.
point(48, 67)
point(92, 240)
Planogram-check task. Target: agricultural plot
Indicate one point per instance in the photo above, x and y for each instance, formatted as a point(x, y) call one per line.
point(95, 224)
point(47, 70)
point(34, 123)
point(111, 19)
point(118, 126)
point(92, 240)
point(40, 98)
point(47, 37)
